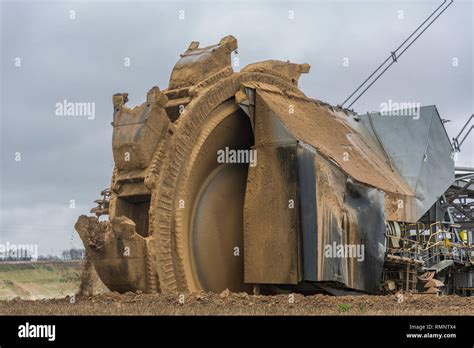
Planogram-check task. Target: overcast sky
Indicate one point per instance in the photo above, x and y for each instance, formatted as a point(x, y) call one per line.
point(81, 59)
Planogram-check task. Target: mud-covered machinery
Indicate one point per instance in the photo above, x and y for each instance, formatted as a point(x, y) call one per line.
point(238, 180)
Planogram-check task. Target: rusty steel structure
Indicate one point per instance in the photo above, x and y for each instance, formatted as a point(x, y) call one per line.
point(239, 181)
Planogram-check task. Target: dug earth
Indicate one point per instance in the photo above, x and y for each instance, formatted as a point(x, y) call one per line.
point(228, 303)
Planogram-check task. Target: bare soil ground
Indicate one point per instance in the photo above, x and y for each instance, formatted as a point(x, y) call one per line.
point(242, 304)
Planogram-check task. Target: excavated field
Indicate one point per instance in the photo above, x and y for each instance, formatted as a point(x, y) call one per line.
point(242, 304)
point(38, 280)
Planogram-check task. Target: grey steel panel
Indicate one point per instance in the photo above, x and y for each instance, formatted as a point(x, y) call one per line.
point(419, 149)
point(465, 279)
point(309, 224)
point(349, 216)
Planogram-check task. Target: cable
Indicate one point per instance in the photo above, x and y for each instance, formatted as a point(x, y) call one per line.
point(393, 55)
point(388, 58)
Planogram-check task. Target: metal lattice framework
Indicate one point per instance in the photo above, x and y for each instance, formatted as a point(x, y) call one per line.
point(459, 199)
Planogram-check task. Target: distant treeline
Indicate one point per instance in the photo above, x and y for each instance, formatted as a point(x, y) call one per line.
point(73, 254)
